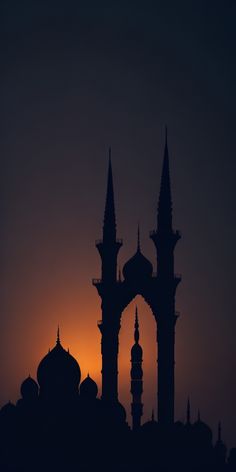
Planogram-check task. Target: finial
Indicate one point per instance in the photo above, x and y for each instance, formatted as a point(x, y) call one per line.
point(198, 416)
point(153, 419)
point(138, 239)
point(166, 136)
point(136, 326)
point(188, 412)
point(58, 335)
point(88, 376)
point(219, 431)
point(109, 152)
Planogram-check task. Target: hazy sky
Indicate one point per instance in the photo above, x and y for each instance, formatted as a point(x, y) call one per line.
point(77, 79)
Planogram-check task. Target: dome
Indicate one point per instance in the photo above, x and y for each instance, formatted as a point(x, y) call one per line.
point(203, 431)
point(58, 372)
point(88, 388)
point(8, 410)
point(138, 267)
point(29, 389)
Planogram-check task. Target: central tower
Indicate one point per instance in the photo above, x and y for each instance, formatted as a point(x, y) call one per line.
point(158, 290)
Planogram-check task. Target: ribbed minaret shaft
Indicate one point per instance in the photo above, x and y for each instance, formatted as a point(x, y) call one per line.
point(136, 378)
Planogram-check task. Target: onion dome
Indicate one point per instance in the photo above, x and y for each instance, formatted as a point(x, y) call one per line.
point(58, 372)
point(202, 430)
point(29, 389)
point(88, 388)
point(8, 411)
point(150, 426)
point(138, 267)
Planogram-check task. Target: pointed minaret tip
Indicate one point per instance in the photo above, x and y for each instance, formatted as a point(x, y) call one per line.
point(188, 412)
point(138, 239)
point(58, 335)
point(166, 136)
point(109, 223)
point(219, 431)
point(136, 326)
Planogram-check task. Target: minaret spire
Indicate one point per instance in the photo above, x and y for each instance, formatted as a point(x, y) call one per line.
point(138, 239)
point(136, 377)
point(109, 224)
point(136, 327)
point(188, 414)
point(58, 335)
point(219, 431)
point(164, 216)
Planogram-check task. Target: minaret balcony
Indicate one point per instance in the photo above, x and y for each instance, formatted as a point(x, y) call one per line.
point(100, 241)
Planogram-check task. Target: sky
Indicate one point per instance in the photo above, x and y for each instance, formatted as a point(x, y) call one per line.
point(78, 77)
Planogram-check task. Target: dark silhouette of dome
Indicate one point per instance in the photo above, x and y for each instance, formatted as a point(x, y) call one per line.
point(29, 389)
point(138, 266)
point(203, 431)
point(58, 372)
point(150, 426)
point(8, 408)
point(88, 388)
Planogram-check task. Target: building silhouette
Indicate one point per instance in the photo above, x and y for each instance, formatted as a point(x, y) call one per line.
point(60, 424)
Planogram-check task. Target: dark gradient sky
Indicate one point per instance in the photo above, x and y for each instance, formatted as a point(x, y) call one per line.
point(76, 78)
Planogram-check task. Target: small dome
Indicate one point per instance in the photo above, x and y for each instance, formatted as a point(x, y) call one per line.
point(88, 388)
point(29, 389)
point(150, 426)
point(58, 372)
point(138, 267)
point(203, 431)
point(8, 410)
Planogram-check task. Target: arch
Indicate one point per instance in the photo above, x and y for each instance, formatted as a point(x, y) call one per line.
point(148, 342)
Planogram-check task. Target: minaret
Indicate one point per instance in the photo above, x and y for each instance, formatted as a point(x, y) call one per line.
point(136, 378)
point(165, 239)
point(109, 326)
point(220, 449)
point(108, 248)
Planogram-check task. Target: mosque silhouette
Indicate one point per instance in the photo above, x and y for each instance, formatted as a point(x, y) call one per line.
point(59, 424)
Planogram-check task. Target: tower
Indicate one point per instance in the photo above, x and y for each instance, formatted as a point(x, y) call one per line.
point(157, 289)
point(165, 239)
point(109, 326)
point(136, 378)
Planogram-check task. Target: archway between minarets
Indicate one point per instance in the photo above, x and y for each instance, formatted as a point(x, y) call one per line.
point(147, 328)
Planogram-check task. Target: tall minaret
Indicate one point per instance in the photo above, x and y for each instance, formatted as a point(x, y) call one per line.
point(136, 378)
point(109, 326)
point(165, 239)
point(108, 248)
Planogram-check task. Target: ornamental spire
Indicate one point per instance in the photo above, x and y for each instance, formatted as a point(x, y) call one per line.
point(58, 335)
point(188, 414)
point(109, 224)
point(136, 327)
point(164, 216)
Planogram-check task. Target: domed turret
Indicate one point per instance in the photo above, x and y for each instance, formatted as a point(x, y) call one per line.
point(29, 389)
point(58, 373)
point(88, 388)
point(138, 267)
